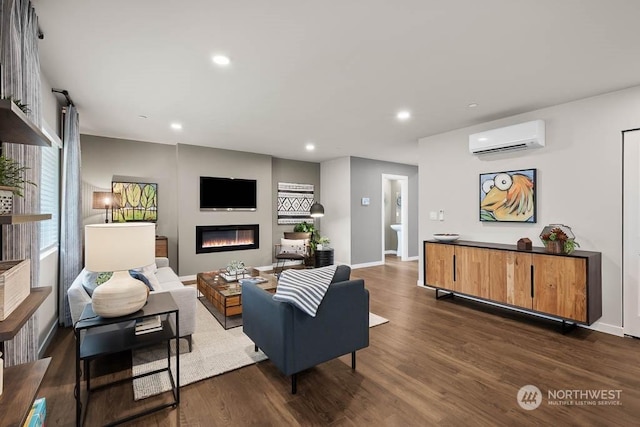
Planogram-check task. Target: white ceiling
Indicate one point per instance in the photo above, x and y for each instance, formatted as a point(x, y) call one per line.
point(334, 72)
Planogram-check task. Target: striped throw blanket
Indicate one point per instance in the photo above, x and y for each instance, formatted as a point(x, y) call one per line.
point(305, 289)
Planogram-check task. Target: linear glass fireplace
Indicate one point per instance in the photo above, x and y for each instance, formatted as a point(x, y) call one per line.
point(221, 238)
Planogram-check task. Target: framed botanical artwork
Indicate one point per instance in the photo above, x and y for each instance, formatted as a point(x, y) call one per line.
point(508, 196)
point(135, 201)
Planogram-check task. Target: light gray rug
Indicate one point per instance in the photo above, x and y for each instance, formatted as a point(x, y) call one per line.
point(215, 351)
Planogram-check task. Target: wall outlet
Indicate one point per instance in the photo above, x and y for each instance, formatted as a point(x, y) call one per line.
point(365, 201)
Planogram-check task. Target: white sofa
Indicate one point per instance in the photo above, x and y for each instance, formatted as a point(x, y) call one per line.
point(184, 296)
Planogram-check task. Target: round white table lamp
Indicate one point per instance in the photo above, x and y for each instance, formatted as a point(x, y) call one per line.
point(119, 247)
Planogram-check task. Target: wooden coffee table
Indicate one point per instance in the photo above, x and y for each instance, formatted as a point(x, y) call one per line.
point(226, 297)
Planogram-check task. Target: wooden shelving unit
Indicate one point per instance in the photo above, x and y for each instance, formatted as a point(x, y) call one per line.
point(17, 128)
point(16, 320)
point(21, 384)
point(22, 218)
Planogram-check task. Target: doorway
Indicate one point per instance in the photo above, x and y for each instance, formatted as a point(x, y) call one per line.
point(395, 216)
point(631, 232)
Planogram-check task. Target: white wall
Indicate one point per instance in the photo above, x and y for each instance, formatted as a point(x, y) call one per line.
point(335, 195)
point(579, 183)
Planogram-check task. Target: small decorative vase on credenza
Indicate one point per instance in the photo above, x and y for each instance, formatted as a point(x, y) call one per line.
point(119, 296)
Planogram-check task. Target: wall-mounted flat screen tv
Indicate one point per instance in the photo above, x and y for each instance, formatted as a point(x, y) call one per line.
point(227, 193)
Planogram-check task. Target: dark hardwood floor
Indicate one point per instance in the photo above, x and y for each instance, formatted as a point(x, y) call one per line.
point(447, 362)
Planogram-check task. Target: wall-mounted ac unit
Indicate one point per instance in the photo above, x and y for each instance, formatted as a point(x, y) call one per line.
point(517, 137)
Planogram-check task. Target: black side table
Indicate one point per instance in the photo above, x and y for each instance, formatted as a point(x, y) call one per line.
point(324, 257)
point(99, 336)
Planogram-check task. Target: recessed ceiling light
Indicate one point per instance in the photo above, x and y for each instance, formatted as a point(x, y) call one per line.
point(310, 147)
point(482, 139)
point(221, 60)
point(403, 115)
point(142, 116)
point(472, 105)
point(176, 126)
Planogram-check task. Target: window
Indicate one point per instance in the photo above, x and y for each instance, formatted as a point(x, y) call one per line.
point(50, 196)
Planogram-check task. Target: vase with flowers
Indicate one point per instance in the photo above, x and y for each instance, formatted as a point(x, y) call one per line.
point(558, 239)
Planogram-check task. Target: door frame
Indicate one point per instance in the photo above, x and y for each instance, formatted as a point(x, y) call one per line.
point(626, 292)
point(404, 217)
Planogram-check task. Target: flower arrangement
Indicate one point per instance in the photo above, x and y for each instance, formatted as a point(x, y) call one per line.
point(558, 238)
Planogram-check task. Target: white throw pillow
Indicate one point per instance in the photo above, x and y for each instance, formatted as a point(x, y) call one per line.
point(290, 246)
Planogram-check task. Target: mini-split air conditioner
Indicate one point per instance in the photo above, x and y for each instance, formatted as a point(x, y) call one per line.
point(517, 137)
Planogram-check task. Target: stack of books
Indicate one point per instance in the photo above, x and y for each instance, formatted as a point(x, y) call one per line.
point(37, 414)
point(148, 324)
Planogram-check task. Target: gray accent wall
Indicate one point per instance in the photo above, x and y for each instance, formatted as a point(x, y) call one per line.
point(194, 162)
point(297, 172)
point(105, 159)
point(366, 221)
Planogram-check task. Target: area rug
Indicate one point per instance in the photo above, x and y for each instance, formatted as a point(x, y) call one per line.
point(215, 351)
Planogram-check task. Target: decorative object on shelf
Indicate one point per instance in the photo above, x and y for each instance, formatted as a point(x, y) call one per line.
point(508, 196)
point(294, 202)
point(558, 239)
point(138, 201)
point(15, 285)
point(446, 237)
point(119, 248)
point(524, 244)
point(105, 200)
point(12, 175)
point(6, 200)
point(23, 107)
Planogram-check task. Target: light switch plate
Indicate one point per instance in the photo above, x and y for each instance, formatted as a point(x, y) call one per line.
point(441, 215)
point(365, 201)
point(433, 216)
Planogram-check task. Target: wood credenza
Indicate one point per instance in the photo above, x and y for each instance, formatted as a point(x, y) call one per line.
point(568, 287)
point(162, 246)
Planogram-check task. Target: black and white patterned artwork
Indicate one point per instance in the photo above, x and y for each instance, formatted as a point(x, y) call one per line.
point(294, 202)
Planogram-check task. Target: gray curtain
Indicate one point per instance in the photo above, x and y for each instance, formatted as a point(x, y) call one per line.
point(21, 79)
point(71, 226)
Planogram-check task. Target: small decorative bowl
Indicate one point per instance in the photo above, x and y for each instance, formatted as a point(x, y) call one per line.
point(446, 237)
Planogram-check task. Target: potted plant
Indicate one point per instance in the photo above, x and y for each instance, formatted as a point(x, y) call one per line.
point(302, 230)
point(321, 242)
point(12, 182)
point(558, 239)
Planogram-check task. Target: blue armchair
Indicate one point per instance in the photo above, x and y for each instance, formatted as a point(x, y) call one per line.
point(295, 341)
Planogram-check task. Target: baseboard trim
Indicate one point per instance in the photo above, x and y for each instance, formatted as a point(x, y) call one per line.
point(47, 340)
point(607, 329)
point(367, 264)
point(412, 258)
point(390, 252)
point(187, 278)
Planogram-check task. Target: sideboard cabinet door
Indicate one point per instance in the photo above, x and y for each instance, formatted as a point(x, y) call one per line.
point(559, 286)
point(439, 265)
